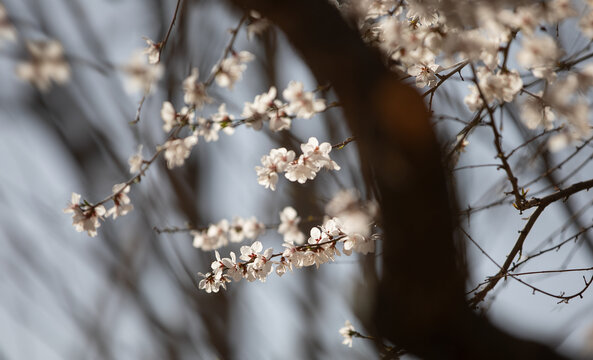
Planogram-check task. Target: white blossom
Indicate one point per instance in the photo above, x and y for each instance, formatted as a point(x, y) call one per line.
point(257, 24)
point(473, 101)
point(274, 163)
point(301, 103)
point(539, 54)
point(236, 230)
point(301, 170)
point(171, 118)
point(208, 129)
point(195, 92)
point(279, 117)
point(217, 234)
point(224, 120)
point(250, 253)
point(352, 214)
point(135, 161)
point(424, 73)
point(47, 64)
point(233, 267)
point(212, 282)
point(289, 221)
point(534, 112)
point(319, 154)
point(140, 76)
point(253, 228)
point(558, 10)
point(231, 69)
point(177, 150)
point(347, 332)
point(257, 112)
point(84, 217)
point(152, 51)
point(203, 241)
point(501, 86)
point(524, 18)
point(359, 243)
point(121, 201)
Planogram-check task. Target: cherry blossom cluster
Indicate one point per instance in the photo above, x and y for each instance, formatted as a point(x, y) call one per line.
point(315, 157)
point(423, 37)
point(267, 108)
point(85, 217)
point(321, 246)
point(254, 265)
point(220, 234)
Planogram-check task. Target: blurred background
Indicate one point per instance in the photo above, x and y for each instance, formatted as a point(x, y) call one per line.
point(131, 293)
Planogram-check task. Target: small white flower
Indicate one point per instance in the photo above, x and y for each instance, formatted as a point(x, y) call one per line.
point(301, 170)
point(262, 266)
point(47, 64)
point(301, 103)
point(535, 112)
point(253, 228)
point(217, 266)
point(250, 253)
point(289, 221)
point(474, 101)
point(282, 266)
point(236, 230)
point(257, 24)
point(279, 118)
point(233, 268)
point(276, 162)
point(347, 332)
point(194, 91)
point(319, 154)
point(539, 54)
point(85, 218)
point(203, 241)
point(315, 156)
point(208, 129)
point(224, 120)
point(177, 150)
point(317, 236)
point(140, 76)
point(172, 118)
point(257, 112)
point(135, 161)
point(212, 282)
point(153, 51)
point(217, 233)
point(424, 73)
point(359, 243)
point(231, 69)
point(121, 201)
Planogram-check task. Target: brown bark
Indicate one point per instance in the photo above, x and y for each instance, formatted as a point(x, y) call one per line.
point(421, 303)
